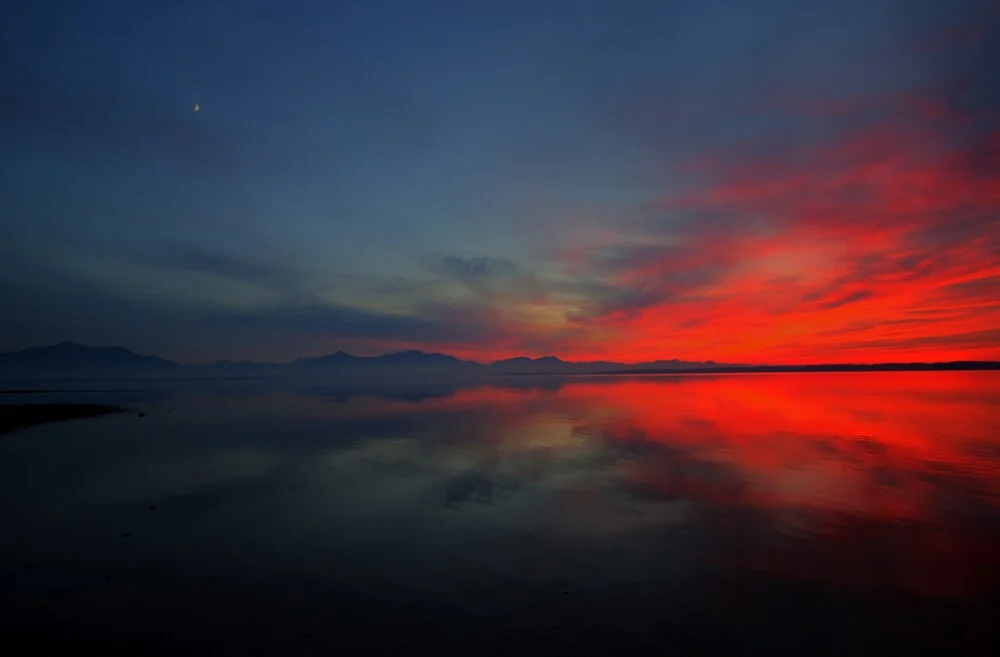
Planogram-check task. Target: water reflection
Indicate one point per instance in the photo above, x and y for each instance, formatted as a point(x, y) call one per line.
point(661, 502)
point(884, 481)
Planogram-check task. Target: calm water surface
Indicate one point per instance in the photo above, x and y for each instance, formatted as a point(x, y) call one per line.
point(769, 514)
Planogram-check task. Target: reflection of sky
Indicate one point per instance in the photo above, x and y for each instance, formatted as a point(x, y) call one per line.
point(876, 446)
point(771, 463)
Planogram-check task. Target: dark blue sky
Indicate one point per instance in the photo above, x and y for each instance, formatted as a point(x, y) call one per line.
point(452, 175)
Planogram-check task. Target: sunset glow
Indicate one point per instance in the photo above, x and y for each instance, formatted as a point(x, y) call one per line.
point(589, 194)
point(500, 327)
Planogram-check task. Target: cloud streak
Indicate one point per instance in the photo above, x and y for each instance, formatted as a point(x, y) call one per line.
point(779, 254)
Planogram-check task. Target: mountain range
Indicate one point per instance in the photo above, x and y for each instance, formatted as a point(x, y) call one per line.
point(68, 358)
point(72, 356)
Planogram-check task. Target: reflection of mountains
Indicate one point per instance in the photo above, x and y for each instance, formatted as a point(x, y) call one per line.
point(885, 481)
point(415, 391)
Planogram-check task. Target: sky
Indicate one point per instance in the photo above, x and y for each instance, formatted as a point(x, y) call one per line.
point(755, 181)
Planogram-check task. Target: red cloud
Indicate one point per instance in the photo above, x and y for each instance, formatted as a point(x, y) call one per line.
point(883, 245)
point(880, 244)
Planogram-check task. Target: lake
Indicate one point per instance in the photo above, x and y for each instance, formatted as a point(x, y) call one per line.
point(766, 514)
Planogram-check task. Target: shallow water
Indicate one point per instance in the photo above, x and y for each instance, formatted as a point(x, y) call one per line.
point(752, 514)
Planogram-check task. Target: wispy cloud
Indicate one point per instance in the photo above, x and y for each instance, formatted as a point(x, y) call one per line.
point(875, 224)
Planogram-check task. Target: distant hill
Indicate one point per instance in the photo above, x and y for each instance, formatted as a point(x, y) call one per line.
point(338, 358)
point(71, 359)
point(521, 364)
point(408, 360)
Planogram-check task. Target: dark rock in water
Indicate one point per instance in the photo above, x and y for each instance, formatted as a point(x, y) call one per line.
point(567, 592)
point(126, 535)
point(30, 564)
point(153, 507)
point(107, 577)
point(142, 415)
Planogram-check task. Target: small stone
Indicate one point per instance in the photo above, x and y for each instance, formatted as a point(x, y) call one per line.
point(30, 564)
point(567, 592)
point(153, 507)
point(126, 535)
point(142, 415)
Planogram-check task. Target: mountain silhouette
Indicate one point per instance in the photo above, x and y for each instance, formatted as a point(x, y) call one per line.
point(72, 359)
point(401, 359)
point(70, 356)
point(338, 358)
point(523, 362)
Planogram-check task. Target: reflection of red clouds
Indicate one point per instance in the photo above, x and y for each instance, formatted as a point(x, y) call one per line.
point(838, 426)
point(872, 480)
point(899, 408)
point(872, 463)
point(872, 444)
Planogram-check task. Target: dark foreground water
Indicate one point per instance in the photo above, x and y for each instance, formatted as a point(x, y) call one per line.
point(781, 514)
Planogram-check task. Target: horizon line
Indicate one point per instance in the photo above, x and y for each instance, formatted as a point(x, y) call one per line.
point(695, 363)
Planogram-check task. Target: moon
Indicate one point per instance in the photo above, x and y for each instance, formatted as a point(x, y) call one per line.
point(197, 107)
